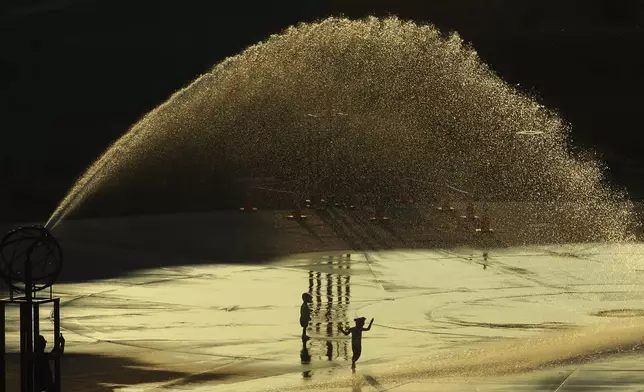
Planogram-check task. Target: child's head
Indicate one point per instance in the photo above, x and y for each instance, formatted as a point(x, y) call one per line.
point(360, 321)
point(306, 297)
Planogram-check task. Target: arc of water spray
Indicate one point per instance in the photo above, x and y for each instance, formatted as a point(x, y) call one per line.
point(261, 97)
point(58, 215)
point(84, 182)
point(97, 169)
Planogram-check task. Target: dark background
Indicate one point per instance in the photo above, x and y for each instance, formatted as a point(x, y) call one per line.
point(75, 74)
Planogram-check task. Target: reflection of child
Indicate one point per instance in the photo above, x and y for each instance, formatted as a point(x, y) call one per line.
point(305, 312)
point(356, 338)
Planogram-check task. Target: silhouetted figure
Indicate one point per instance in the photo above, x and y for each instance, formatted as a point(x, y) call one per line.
point(356, 338)
point(305, 315)
point(484, 260)
point(43, 379)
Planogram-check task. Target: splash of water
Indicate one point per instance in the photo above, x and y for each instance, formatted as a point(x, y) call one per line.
point(503, 358)
point(354, 106)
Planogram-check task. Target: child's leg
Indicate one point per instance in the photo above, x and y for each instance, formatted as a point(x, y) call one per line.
point(356, 355)
point(304, 324)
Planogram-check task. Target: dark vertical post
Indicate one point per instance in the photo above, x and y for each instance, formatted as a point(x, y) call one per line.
point(3, 371)
point(28, 328)
point(24, 312)
point(57, 343)
point(36, 308)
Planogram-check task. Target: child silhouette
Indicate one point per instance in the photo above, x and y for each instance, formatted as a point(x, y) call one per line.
point(305, 314)
point(356, 338)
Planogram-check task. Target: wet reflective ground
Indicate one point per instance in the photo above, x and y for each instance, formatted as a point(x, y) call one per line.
point(331, 293)
point(565, 318)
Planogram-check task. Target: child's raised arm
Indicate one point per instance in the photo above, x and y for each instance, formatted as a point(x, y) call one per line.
point(369, 327)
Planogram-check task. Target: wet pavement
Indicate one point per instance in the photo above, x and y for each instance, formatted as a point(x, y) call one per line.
point(543, 318)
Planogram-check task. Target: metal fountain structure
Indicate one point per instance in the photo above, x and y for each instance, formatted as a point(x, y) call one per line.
point(30, 262)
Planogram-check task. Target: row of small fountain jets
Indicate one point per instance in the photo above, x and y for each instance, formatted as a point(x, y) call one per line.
point(481, 223)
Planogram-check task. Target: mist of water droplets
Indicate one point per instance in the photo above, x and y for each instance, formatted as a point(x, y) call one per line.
point(352, 105)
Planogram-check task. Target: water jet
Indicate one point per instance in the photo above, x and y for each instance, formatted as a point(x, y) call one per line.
point(351, 107)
